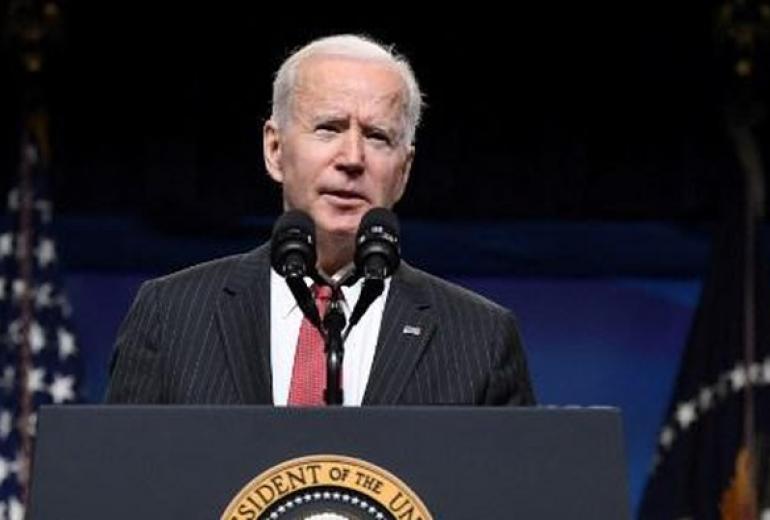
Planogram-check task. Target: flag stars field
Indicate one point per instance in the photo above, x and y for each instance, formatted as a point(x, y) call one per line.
point(6, 245)
point(67, 345)
point(738, 377)
point(62, 389)
point(6, 423)
point(36, 380)
point(45, 252)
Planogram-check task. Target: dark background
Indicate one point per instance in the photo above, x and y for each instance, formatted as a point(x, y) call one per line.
point(578, 112)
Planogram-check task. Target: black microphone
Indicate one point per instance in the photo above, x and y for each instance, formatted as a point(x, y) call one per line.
point(377, 244)
point(292, 249)
point(293, 256)
point(377, 256)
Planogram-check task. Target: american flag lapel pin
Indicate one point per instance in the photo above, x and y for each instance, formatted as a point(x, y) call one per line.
point(412, 330)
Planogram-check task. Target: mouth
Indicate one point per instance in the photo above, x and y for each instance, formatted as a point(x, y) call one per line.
point(345, 198)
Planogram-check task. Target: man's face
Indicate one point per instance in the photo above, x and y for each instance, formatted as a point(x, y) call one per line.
point(343, 150)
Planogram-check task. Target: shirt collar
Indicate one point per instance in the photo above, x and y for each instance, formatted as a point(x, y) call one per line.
point(287, 304)
point(284, 300)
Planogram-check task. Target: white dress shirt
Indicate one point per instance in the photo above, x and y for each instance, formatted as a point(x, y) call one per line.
point(360, 345)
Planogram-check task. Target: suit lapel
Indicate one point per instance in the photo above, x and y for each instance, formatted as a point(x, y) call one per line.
point(243, 312)
point(408, 323)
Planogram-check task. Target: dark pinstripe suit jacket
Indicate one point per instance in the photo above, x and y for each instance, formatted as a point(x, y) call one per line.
point(202, 335)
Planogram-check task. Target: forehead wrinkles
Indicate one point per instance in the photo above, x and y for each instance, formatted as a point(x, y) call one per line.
point(379, 96)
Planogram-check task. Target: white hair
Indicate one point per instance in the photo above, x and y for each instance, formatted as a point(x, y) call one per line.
point(346, 46)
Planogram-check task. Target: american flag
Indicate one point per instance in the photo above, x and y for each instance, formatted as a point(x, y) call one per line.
point(39, 359)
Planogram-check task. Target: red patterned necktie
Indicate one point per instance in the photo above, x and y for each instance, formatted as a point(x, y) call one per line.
point(308, 377)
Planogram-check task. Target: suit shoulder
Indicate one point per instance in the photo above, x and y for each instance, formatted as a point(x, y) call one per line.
point(212, 274)
point(216, 268)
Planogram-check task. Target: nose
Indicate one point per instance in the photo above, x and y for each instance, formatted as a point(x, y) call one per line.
point(352, 155)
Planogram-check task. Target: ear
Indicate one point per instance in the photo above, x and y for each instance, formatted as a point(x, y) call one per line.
point(404, 174)
point(272, 150)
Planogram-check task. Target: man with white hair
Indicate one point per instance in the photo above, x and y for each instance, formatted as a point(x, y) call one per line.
point(340, 141)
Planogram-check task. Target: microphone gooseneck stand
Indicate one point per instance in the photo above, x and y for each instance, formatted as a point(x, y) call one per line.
point(334, 323)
